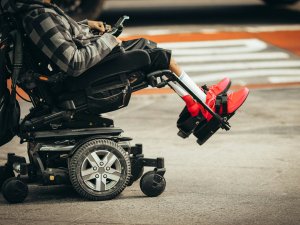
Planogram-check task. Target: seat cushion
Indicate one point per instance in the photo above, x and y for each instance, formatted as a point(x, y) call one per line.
point(118, 63)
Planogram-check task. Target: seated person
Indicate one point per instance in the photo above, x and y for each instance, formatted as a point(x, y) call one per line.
point(74, 49)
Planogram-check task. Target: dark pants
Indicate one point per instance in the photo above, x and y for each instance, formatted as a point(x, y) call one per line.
point(160, 58)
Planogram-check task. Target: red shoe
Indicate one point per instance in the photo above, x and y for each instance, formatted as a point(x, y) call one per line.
point(222, 87)
point(234, 101)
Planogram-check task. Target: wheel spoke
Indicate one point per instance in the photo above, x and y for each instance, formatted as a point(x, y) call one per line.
point(94, 159)
point(100, 184)
point(88, 174)
point(109, 159)
point(114, 176)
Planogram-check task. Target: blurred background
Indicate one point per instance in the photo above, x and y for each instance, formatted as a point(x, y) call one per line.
point(256, 41)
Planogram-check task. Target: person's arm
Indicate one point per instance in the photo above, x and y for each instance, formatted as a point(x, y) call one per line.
point(56, 42)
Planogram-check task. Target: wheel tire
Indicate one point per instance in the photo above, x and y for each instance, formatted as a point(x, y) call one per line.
point(136, 172)
point(4, 175)
point(86, 173)
point(14, 190)
point(150, 187)
point(279, 2)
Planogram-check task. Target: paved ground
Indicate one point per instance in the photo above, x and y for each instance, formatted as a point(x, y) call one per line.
point(249, 175)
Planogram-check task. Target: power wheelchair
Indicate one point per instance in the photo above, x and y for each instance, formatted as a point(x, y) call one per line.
point(69, 142)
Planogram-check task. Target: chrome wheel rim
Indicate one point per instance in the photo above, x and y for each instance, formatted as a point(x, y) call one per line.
point(101, 170)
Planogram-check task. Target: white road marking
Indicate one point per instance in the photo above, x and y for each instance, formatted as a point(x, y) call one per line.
point(246, 74)
point(239, 57)
point(272, 28)
point(285, 79)
point(158, 32)
point(220, 43)
point(208, 61)
point(242, 66)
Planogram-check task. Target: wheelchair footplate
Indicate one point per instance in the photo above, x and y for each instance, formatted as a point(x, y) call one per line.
point(199, 126)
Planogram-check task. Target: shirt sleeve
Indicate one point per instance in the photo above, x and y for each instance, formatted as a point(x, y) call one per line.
point(71, 55)
point(84, 25)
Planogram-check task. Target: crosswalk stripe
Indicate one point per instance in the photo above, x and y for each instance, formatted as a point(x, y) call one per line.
point(242, 66)
point(285, 79)
point(239, 57)
point(246, 74)
point(220, 43)
point(242, 59)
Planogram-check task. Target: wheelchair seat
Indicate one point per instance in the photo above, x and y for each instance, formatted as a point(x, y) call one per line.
point(112, 65)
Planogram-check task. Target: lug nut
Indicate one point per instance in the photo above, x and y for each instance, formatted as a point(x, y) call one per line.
point(101, 163)
point(107, 168)
point(104, 176)
point(97, 175)
point(95, 168)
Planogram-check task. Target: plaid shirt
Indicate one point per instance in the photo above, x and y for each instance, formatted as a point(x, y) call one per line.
point(68, 44)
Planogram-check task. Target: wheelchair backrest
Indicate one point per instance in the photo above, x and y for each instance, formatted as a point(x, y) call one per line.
point(10, 64)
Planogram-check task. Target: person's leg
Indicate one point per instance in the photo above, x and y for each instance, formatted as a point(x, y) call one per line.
point(235, 99)
point(221, 87)
point(175, 68)
point(161, 59)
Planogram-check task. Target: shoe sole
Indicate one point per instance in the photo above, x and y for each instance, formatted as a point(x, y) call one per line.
point(226, 89)
point(241, 103)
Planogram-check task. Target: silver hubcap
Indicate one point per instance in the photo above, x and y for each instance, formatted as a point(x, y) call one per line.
point(101, 170)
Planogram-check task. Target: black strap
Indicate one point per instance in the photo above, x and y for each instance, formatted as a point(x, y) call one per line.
point(205, 88)
point(224, 104)
point(221, 103)
point(218, 104)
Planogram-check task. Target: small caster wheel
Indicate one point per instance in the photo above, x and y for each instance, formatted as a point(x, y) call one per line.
point(14, 190)
point(5, 174)
point(152, 184)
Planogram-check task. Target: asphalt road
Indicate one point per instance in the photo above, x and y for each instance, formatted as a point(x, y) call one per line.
point(249, 175)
